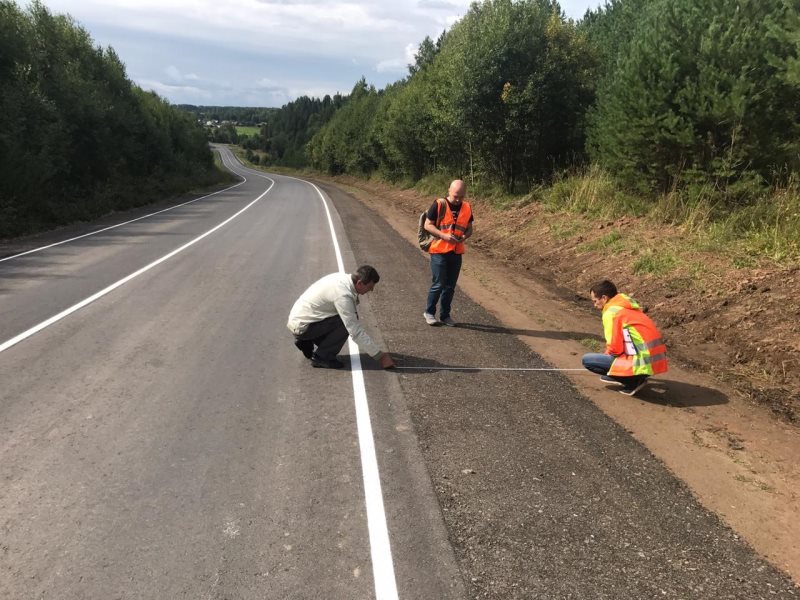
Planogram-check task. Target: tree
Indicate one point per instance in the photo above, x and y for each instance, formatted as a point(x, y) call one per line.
point(698, 95)
point(517, 87)
point(76, 136)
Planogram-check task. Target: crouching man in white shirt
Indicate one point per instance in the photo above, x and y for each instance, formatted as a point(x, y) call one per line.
point(325, 314)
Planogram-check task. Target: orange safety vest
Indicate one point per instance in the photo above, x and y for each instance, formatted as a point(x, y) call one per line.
point(448, 225)
point(633, 338)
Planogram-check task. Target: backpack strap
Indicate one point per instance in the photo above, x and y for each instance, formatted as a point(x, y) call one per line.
point(439, 203)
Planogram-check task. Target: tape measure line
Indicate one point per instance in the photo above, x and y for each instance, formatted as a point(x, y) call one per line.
point(422, 368)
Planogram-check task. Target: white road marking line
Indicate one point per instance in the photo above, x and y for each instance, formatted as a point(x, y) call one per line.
point(64, 313)
point(72, 239)
point(380, 547)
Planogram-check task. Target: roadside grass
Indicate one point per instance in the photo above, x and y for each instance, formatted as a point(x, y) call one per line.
point(652, 262)
point(612, 242)
point(767, 226)
point(593, 345)
point(696, 269)
point(763, 227)
point(248, 130)
point(561, 231)
point(437, 184)
point(592, 192)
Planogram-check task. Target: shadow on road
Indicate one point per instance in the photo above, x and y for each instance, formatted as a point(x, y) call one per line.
point(552, 335)
point(680, 394)
point(666, 392)
point(409, 364)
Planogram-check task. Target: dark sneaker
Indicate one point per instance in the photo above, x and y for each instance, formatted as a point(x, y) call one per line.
point(610, 380)
point(322, 363)
point(449, 322)
point(631, 390)
point(306, 347)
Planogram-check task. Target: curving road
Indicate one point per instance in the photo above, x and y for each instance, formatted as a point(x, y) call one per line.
point(160, 436)
point(166, 440)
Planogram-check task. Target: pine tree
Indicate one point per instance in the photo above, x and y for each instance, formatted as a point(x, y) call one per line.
point(696, 96)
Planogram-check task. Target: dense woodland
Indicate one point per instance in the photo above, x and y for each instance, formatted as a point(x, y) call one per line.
point(285, 133)
point(244, 115)
point(77, 138)
point(658, 91)
point(694, 100)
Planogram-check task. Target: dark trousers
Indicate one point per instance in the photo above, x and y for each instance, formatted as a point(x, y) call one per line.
point(601, 363)
point(328, 335)
point(444, 270)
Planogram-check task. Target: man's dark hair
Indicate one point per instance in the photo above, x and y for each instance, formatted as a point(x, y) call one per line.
point(366, 275)
point(604, 288)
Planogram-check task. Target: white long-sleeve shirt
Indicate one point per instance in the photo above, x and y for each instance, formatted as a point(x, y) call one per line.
point(333, 294)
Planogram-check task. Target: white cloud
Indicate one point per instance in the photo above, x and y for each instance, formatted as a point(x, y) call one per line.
point(437, 4)
point(356, 29)
point(169, 90)
point(220, 49)
point(393, 65)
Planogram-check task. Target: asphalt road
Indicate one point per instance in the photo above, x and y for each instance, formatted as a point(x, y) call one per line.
point(167, 440)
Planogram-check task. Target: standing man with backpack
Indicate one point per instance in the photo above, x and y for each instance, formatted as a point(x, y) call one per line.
point(449, 221)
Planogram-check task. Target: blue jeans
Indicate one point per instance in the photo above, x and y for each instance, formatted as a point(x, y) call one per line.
point(601, 363)
point(444, 269)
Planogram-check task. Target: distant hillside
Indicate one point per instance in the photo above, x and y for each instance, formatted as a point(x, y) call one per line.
point(244, 115)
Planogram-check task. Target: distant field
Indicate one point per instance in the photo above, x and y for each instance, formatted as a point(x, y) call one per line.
point(247, 130)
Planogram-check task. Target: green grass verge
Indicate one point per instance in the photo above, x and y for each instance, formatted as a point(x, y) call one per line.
point(652, 262)
point(612, 242)
point(593, 345)
point(248, 130)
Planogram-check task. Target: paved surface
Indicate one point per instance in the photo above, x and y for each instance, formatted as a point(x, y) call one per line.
point(168, 441)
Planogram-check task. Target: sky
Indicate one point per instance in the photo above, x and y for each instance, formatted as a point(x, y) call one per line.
point(266, 52)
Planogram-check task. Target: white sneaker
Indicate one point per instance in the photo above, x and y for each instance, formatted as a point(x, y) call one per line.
point(449, 322)
point(430, 319)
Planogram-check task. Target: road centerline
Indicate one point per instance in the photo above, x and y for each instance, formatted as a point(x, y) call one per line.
point(86, 301)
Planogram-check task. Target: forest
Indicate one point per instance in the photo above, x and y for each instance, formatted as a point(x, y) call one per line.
point(244, 115)
point(77, 138)
point(686, 108)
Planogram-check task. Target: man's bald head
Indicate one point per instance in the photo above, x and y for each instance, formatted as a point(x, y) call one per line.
point(457, 191)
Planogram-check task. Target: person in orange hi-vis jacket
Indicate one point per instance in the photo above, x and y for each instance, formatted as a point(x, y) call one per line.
point(449, 220)
point(634, 347)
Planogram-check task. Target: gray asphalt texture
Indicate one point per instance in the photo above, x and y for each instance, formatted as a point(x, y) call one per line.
point(168, 440)
point(543, 495)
